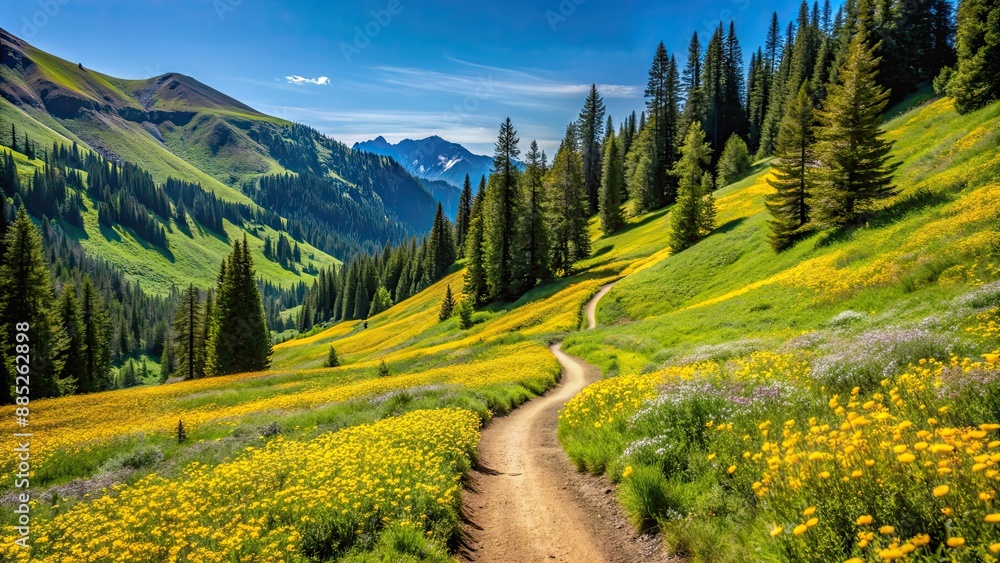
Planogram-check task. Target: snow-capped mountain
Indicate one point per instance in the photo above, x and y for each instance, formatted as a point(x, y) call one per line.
point(433, 159)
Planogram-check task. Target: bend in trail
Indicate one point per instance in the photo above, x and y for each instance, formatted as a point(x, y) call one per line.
point(527, 502)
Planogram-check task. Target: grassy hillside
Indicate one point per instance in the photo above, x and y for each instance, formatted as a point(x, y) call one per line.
point(718, 322)
point(825, 403)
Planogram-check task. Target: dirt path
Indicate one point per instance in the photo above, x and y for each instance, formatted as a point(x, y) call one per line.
point(526, 501)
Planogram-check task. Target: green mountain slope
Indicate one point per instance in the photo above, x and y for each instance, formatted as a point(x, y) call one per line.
point(176, 127)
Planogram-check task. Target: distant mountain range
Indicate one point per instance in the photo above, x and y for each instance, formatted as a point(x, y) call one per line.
point(433, 159)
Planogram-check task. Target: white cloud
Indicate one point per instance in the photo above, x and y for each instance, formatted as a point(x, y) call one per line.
point(319, 81)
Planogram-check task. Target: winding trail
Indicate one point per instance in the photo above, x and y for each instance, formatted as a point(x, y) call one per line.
point(526, 501)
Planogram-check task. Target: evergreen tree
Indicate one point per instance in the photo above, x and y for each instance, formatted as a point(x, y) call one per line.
point(332, 360)
point(167, 363)
point(855, 170)
point(773, 45)
point(590, 128)
point(534, 242)
point(26, 296)
point(734, 92)
point(475, 287)
point(96, 341)
point(71, 325)
point(503, 207)
point(189, 329)
point(694, 102)
point(241, 341)
point(612, 181)
point(207, 332)
point(442, 245)
point(694, 214)
point(662, 101)
point(447, 305)
point(463, 215)
point(976, 80)
point(465, 310)
point(735, 161)
point(792, 177)
point(568, 208)
point(381, 301)
point(640, 172)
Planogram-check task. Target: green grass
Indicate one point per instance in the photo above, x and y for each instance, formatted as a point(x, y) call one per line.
point(727, 287)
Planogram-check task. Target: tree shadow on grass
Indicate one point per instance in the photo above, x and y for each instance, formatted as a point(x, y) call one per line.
point(917, 201)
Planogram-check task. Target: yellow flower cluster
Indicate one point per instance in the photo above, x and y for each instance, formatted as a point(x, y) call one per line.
point(77, 423)
point(874, 456)
point(277, 503)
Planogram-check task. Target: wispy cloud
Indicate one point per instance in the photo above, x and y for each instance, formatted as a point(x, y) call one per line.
point(506, 84)
point(319, 80)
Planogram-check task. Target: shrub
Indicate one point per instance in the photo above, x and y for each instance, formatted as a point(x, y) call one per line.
point(332, 360)
point(465, 311)
point(735, 161)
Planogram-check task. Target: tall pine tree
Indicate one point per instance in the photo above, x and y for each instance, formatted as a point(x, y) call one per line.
point(241, 342)
point(612, 180)
point(96, 340)
point(442, 245)
point(534, 229)
point(463, 215)
point(26, 296)
point(568, 208)
point(792, 171)
point(590, 128)
point(189, 330)
point(694, 214)
point(855, 170)
point(503, 207)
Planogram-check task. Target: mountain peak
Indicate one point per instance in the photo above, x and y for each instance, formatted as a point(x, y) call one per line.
point(432, 158)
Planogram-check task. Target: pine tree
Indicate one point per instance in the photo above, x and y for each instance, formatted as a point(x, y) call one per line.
point(640, 168)
point(381, 301)
point(96, 341)
point(167, 358)
point(189, 327)
point(26, 296)
point(503, 207)
point(735, 161)
point(663, 98)
point(465, 310)
point(71, 325)
point(463, 215)
point(854, 158)
point(792, 177)
point(241, 342)
point(534, 242)
point(568, 207)
point(442, 245)
point(207, 332)
point(976, 79)
point(693, 215)
point(332, 360)
point(694, 101)
point(612, 180)
point(447, 305)
point(734, 91)
point(773, 45)
point(475, 274)
point(590, 128)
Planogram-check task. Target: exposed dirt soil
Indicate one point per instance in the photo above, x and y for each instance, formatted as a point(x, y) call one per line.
point(527, 502)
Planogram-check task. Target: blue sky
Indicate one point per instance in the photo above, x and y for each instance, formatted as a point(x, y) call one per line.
point(398, 68)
